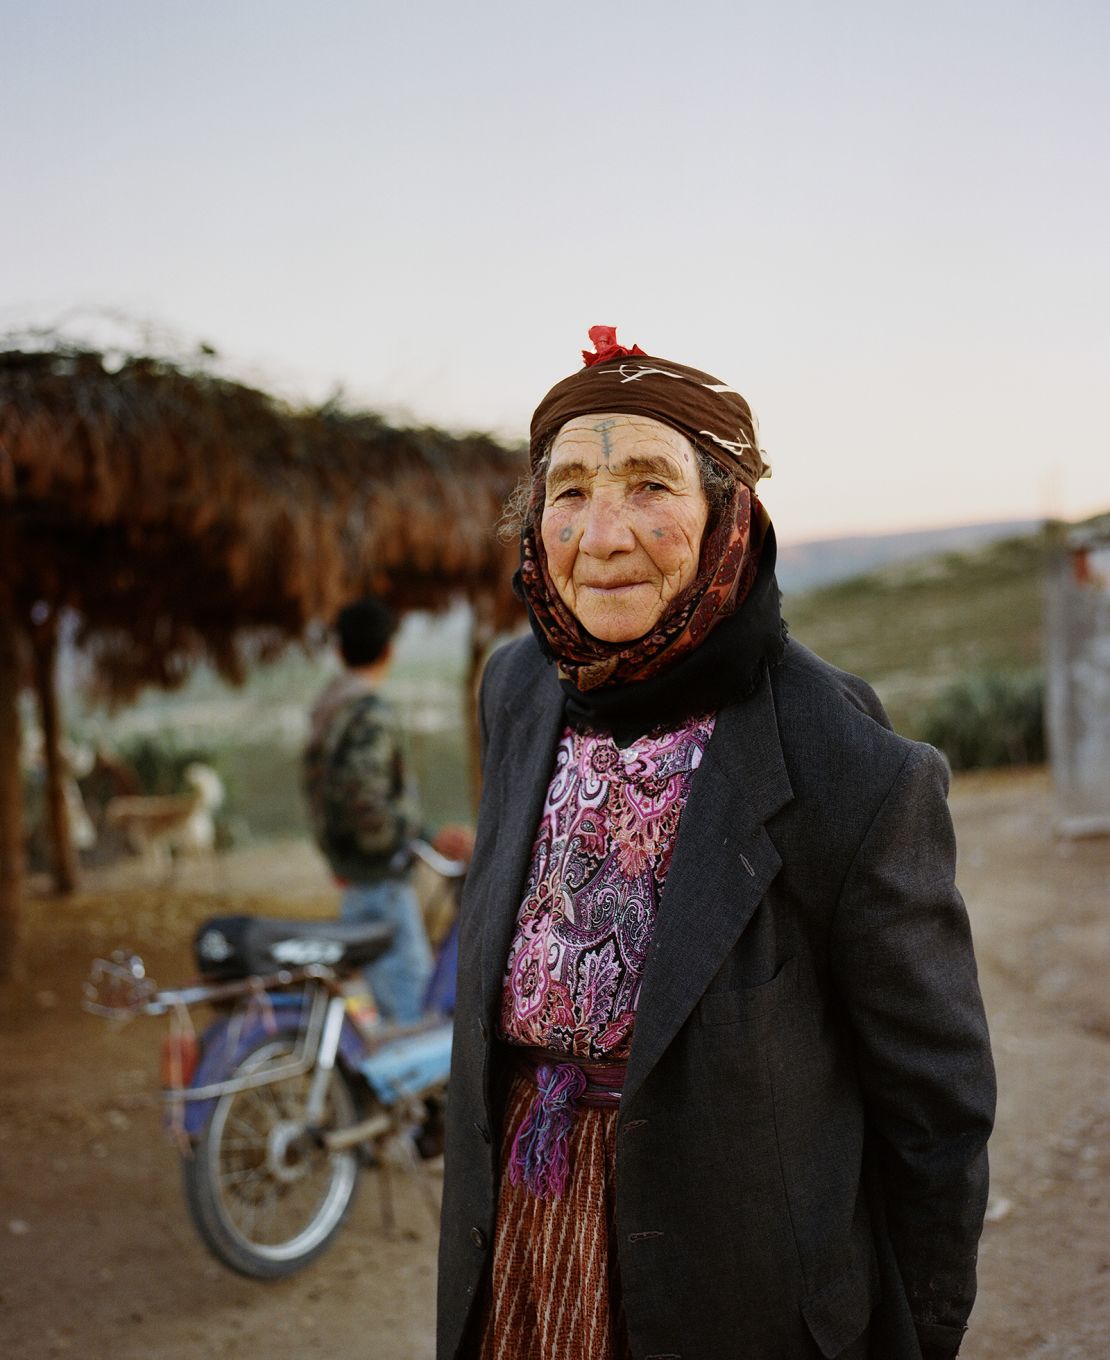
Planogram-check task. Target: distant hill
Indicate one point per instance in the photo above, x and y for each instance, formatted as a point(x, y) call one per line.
point(820, 562)
point(910, 627)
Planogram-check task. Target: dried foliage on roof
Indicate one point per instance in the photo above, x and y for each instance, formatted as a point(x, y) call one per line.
point(186, 516)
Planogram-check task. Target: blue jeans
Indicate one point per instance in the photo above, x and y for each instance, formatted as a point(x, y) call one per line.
point(398, 979)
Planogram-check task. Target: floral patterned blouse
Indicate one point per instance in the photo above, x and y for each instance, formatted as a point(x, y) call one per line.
point(599, 862)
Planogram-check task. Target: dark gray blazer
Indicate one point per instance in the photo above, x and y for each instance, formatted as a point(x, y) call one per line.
point(801, 1164)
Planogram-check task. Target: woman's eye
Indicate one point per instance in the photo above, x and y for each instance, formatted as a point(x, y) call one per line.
point(568, 492)
point(654, 486)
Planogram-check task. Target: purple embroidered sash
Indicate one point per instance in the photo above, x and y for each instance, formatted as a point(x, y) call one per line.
point(539, 1158)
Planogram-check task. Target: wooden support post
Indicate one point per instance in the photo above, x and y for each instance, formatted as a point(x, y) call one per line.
point(44, 654)
point(11, 782)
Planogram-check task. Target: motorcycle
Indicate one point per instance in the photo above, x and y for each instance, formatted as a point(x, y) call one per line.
point(294, 1087)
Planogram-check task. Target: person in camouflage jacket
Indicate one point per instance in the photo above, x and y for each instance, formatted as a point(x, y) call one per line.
point(362, 813)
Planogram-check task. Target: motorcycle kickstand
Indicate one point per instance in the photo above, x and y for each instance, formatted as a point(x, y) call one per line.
point(417, 1168)
point(385, 1195)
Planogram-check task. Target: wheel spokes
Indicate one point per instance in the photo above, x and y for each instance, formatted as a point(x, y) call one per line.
point(274, 1204)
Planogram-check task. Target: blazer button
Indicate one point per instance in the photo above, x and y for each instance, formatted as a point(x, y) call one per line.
point(482, 1131)
point(478, 1237)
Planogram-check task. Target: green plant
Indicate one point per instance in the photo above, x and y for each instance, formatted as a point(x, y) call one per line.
point(160, 762)
point(988, 718)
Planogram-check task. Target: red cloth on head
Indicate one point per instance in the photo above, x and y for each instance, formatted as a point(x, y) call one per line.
point(605, 345)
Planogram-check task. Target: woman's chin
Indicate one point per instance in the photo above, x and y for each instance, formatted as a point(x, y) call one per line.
point(614, 628)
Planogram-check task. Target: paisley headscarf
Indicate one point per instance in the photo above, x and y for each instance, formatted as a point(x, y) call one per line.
point(717, 420)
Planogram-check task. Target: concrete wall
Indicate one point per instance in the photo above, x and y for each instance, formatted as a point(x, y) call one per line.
point(1077, 639)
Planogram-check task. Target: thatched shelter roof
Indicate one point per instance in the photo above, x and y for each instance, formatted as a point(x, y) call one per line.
point(184, 515)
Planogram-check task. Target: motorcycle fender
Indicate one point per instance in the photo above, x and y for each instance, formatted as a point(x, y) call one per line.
point(220, 1057)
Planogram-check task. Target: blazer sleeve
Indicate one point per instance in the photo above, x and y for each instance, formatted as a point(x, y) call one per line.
point(489, 694)
point(903, 962)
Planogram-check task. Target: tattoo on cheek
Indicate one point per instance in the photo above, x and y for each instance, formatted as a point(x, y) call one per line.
point(659, 533)
point(564, 534)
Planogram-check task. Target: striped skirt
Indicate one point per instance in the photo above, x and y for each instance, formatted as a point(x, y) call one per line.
point(554, 1289)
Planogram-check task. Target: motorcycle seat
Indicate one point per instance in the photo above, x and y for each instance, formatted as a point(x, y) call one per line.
point(238, 946)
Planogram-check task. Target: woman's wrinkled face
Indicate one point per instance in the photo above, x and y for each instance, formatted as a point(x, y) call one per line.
point(623, 517)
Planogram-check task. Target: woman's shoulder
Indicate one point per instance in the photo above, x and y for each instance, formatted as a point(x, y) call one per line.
point(823, 708)
point(835, 732)
point(803, 676)
point(513, 666)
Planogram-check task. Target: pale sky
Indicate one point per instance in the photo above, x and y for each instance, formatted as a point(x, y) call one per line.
point(888, 224)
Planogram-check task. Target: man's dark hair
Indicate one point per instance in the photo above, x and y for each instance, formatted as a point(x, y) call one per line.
point(364, 629)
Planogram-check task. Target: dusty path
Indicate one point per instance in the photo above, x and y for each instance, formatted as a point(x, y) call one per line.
point(1042, 928)
point(97, 1259)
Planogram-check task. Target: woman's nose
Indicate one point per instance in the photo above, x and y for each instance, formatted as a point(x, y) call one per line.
point(607, 530)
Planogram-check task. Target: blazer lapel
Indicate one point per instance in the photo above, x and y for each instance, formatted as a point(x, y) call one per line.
point(533, 722)
point(723, 864)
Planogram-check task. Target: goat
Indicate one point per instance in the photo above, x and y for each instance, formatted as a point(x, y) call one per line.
point(157, 825)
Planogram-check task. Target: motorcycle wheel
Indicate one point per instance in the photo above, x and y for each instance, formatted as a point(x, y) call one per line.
point(265, 1199)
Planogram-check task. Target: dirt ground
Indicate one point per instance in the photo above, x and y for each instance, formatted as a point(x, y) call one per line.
point(98, 1259)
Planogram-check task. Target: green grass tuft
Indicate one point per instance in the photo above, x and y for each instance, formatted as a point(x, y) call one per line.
point(913, 628)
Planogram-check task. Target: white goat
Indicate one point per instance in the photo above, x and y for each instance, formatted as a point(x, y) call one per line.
point(157, 825)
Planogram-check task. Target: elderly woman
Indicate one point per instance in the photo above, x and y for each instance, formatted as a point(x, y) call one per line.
point(721, 1083)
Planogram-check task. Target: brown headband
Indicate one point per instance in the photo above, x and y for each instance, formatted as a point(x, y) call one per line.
point(707, 411)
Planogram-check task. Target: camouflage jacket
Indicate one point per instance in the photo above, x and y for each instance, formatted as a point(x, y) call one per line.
point(360, 810)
